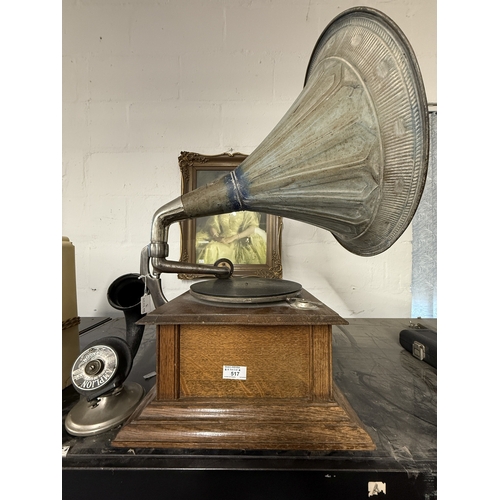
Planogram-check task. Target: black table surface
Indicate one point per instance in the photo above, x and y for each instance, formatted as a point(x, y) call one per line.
point(393, 393)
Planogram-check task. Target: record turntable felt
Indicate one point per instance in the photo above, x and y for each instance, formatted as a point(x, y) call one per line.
point(245, 290)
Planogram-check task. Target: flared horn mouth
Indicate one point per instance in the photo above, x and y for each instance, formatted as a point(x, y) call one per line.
point(351, 153)
point(125, 292)
point(125, 295)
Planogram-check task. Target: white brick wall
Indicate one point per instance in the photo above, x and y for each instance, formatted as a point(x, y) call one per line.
point(144, 80)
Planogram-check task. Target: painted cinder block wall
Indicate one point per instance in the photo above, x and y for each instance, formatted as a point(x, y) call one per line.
point(144, 80)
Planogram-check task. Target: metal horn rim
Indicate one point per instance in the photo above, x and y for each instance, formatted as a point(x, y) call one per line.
point(404, 176)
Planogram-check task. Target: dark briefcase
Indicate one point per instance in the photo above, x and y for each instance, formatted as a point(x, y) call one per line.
point(421, 342)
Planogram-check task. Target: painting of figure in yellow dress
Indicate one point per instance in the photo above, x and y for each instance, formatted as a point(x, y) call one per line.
point(236, 236)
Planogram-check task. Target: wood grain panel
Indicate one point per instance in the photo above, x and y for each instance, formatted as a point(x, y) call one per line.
point(321, 350)
point(167, 362)
point(277, 360)
point(292, 436)
point(269, 410)
point(244, 424)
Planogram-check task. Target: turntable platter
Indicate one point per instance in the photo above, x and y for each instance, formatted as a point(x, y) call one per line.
point(245, 290)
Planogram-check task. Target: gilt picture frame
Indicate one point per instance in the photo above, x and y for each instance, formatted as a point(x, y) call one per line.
point(260, 253)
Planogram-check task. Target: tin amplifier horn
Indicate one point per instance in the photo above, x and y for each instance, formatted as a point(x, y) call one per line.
point(349, 156)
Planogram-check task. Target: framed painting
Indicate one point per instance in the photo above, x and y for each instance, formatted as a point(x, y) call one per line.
point(252, 241)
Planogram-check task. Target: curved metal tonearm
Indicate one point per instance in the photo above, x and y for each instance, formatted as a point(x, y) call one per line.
point(154, 260)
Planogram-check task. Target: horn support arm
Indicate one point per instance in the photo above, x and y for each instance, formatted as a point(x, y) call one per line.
point(211, 200)
point(221, 196)
point(163, 217)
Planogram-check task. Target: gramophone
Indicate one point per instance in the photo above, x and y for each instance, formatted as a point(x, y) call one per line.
point(247, 362)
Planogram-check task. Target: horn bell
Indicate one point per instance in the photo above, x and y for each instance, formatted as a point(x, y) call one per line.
point(351, 154)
